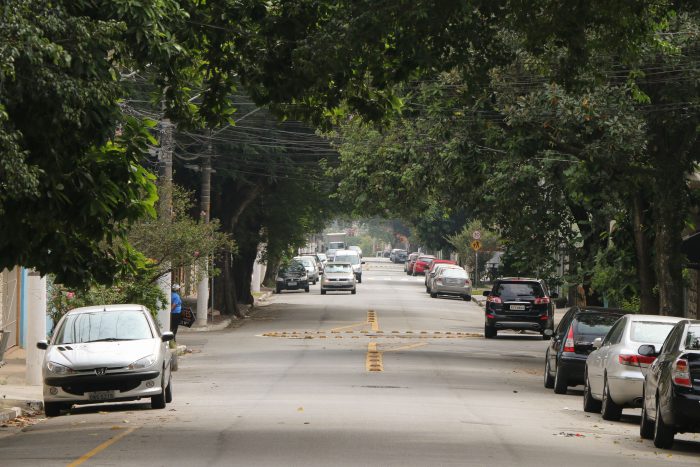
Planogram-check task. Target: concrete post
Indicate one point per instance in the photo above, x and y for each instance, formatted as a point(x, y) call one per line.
point(36, 326)
point(205, 202)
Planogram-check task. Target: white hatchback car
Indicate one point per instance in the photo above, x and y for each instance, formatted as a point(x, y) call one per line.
point(106, 353)
point(614, 376)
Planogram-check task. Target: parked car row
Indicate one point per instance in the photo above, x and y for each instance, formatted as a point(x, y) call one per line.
point(627, 360)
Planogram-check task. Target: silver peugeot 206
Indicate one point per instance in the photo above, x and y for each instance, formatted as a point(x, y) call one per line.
point(106, 353)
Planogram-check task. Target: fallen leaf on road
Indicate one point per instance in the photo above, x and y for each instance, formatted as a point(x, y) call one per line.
point(300, 409)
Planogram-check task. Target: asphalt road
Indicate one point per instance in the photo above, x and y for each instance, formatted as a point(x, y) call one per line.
point(385, 377)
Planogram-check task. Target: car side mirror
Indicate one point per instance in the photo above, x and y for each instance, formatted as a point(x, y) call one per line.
point(647, 350)
point(548, 332)
point(486, 293)
point(597, 342)
point(554, 295)
point(42, 345)
point(363, 262)
point(167, 336)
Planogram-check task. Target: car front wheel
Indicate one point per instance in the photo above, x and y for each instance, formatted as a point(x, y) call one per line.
point(52, 409)
point(663, 434)
point(158, 401)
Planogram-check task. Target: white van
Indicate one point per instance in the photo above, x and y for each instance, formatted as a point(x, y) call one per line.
point(352, 257)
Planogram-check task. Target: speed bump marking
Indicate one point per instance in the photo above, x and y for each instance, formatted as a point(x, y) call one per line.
point(373, 361)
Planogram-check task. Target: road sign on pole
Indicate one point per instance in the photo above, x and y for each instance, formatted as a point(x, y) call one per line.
point(476, 235)
point(476, 245)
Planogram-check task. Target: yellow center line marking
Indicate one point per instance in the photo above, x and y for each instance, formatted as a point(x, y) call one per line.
point(373, 362)
point(102, 447)
point(407, 347)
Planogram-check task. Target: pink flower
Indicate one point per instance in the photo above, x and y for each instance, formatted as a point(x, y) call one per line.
point(70, 295)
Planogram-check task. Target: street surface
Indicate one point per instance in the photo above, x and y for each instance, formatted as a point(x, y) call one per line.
point(385, 377)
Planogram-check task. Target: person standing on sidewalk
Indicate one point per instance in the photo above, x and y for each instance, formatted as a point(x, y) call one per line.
point(175, 309)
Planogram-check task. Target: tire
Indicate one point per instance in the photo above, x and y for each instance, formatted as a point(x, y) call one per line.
point(609, 409)
point(590, 404)
point(560, 383)
point(663, 434)
point(548, 378)
point(427, 289)
point(158, 401)
point(169, 391)
point(545, 337)
point(314, 282)
point(489, 332)
point(52, 409)
point(646, 426)
point(323, 292)
point(433, 295)
point(467, 298)
point(306, 289)
point(359, 279)
point(353, 291)
point(278, 290)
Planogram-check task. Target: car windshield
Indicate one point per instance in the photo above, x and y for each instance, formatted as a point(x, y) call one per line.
point(594, 324)
point(294, 266)
point(352, 259)
point(308, 262)
point(518, 290)
point(650, 332)
point(338, 268)
point(692, 339)
point(104, 326)
point(322, 256)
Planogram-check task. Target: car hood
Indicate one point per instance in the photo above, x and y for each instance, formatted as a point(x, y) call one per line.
point(102, 354)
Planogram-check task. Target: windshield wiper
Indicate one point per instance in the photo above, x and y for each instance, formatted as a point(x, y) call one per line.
point(108, 339)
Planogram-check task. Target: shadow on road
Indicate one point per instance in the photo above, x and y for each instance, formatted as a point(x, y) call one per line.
point(142, 405)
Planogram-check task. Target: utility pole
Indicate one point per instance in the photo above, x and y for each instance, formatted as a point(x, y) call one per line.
point(205, 200)
point(165, 159)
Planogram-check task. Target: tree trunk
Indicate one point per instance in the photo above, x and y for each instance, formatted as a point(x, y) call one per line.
point(229, 289)
point(645, 271)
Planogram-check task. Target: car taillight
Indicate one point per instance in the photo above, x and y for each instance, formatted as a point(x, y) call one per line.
point(542, 301)
point(493, 299)
point(635, 360)
point(681, 374)
point(569, 342)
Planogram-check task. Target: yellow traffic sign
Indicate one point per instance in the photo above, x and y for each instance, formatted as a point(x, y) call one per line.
point(476, 245)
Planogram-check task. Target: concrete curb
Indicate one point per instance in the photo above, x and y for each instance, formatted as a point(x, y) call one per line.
point(226, 322)
point(263, 298)
point(481, 301)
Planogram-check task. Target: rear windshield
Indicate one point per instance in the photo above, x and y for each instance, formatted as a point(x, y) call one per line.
point(692, 339)
point(104, 326)
point(594, 324)
point(352, 259)
point(454, 272)
point(650, 332)
point(518, 290)
point(338, 268)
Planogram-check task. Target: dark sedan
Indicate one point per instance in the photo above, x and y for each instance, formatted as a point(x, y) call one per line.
point(671, 402)
point(292, 276)
point(572, 342)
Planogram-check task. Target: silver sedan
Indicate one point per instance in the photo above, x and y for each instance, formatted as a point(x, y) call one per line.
point(106, 353)
point(451, 281)
point(615, 371)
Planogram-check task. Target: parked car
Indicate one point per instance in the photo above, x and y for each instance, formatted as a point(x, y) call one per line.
point(572, 342)
point(671, 400)
point(518, 303)
point(106, 353)
point(350, 256)
point(323, 258)
point(430, 273)
point(311, 266)
point(401, 256)
point(422, 264)
point(410, 261)
point(614, 376)
point(339, 276)
point(434, 270)
point(452, 281)
point(292, 276)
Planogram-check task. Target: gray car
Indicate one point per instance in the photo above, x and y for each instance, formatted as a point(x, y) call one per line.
point(614, 376)
point(106, 353)
point(312, 268)
point(452, 281)
point(338, 276)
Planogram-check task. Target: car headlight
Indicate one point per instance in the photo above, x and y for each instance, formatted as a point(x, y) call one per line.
point(58, 369)
point(142, 363)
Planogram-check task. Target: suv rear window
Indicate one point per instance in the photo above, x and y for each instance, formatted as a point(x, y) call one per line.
point(518, 290)
point(594, 324)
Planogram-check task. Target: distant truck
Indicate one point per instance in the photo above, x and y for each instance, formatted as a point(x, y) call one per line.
point(335, 242)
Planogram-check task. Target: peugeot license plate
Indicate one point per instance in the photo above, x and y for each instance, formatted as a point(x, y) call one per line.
point(101, 395)
point(292, 283)
point(517, 307)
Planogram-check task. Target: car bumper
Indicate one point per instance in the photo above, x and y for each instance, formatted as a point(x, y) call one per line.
point(626, 388)
point(126, 386)
point(338, 286)
point(299, 285)
point(573, 366)
point(452, 289)
point(527, 323)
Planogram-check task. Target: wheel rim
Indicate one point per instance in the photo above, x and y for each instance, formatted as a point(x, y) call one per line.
point(605, 394)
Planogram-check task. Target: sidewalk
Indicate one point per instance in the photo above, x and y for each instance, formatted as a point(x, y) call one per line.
point(17, 397)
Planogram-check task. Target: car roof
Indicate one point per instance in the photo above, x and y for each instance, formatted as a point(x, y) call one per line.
point(108, 308)
point(426, 256)
point(657, 318)
point(341, 263)
point(517, 279)
point(345, 252)
point(601, 310)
